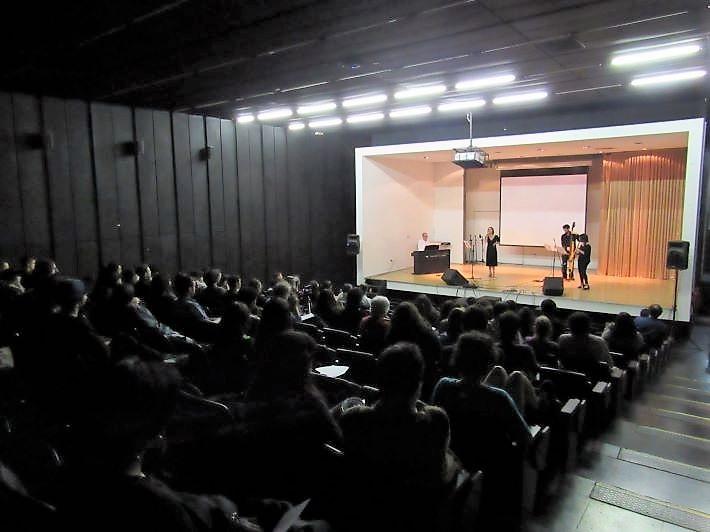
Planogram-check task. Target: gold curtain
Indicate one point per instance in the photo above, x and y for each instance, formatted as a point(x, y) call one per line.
point(642, 209)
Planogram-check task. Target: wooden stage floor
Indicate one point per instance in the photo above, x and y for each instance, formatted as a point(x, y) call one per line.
point(524, 284)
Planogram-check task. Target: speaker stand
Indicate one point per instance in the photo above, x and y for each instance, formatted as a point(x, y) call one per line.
point(675, 303)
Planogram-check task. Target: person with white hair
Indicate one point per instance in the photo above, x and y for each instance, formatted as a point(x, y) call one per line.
point(374, 328)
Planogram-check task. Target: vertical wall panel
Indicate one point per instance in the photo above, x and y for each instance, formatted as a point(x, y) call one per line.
point(271, 195)
point(256, 197)
point(281, 215)
point(61, 196)
point(320, 225)
point(183, 183)
point(105, 151)
point(231, 206)
point(32, 175)
point(12, 236)
point(200, 191)
point(165, 176)
point(247, 207)
point(299, 205)
point(147, 186)
point(216, 189)
point(127, 186)
point(82, 179)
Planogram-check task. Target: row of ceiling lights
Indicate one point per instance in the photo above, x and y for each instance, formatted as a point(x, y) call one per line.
point(622, 59)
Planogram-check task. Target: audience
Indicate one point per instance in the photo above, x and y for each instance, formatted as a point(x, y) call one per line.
point(396, 449)
point(622, 337)
point(653, 330)
point(353, 313)
point(375, 327)
point(546, 351)
point(187, 315)
point(213, 297)
point(427, 309)
point(549, 309)
point(515, 356)
point(580, 350)
point(145, 278)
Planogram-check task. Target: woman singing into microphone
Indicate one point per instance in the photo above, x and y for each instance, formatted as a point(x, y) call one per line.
point(492, 241)
point(584, 256)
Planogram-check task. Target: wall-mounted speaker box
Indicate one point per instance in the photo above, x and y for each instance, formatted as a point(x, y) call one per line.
point(553, 286)
point(352, 245)
point(454, 278)
point(677, 255)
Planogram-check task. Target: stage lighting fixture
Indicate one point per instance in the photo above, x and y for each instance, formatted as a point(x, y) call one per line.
point(245, 119)
point(461, 105)
point(406, 112)
point(275, 114)
point(654, 54)
point(671, 77)
point(521, 97)
point(418, 92)
point(479, 83)
point(470, 156)
point(365, 117)
point(325, 122)
point(315, 108)
point(362, 101)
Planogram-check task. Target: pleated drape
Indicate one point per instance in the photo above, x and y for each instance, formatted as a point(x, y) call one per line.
point(642, 209)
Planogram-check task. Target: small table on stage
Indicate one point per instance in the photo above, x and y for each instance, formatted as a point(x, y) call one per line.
point(432, 261)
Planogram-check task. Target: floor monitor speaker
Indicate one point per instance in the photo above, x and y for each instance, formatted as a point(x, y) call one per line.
point(553, 286)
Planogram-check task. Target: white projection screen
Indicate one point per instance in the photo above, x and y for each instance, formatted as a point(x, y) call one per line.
point(533, 208)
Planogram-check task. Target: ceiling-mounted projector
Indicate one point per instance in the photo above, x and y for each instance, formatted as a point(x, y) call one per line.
point(470, 157)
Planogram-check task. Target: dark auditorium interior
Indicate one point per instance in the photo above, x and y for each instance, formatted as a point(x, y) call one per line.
point(199, 200)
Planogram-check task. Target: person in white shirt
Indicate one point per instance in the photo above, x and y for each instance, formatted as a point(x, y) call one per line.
point(423, 242)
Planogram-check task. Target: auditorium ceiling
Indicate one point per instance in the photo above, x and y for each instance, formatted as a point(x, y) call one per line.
point(219, 56)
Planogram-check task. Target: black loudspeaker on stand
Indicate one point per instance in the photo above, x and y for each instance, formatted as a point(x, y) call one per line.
point(677, 259)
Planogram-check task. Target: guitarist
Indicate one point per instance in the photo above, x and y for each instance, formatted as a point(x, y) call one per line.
point(568, 241)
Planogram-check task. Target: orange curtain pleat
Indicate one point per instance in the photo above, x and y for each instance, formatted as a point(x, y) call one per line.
point(642, 209)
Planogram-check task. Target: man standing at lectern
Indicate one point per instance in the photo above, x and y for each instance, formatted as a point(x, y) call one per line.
point(423, 242)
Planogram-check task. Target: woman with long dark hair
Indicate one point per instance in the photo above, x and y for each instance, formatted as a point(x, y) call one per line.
point(492, 241)
point(623, 337)
point(584, 257)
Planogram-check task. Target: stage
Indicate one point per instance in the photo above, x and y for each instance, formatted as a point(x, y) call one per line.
point(524, 284)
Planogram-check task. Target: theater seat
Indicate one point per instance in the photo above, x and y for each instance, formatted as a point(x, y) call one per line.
point(363, 366)
point(312, 330)
point(338, 339)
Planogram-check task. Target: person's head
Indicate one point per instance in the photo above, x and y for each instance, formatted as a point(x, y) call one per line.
point(424, 305)
point(584, 238)
point(425, 236)
point(234, 282)
point(4, 266)
point(45, 269)
point(655, 311)
point(123, 295)
point(326, 285)
point(548, 307)
point(234, 321)
point(400, 370)
point(508, 326)
point(474, 355)
point(69, 295)
point(184, 285)
point(285, 366)
point(645, 313)
point(511, 305)
point(255, 284)
point(475, 318)
point(543, 327)
point(275, 318)
point(11, 277)
point(379, 307)
point(454, 325)
point(248, 296)
point(159, 285)
point(527, 318)
point(145, 274)
point(346, 288)
point(624, 325)
point(579, 324)
point(277, 278)
point(490, 231)
point(281, 289)
point(446, 307)
point(566, 228)
point(407, 321)
point(28, 264)
point(499, 307)
point(109, 275)
point(326, 301)
point(114, 269)
point(129, 276)
point(213, 277)
point(131, 405)
point(353, 300)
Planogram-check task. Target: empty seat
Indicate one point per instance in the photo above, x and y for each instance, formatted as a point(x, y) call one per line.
point(338, 339)
point(363, 366)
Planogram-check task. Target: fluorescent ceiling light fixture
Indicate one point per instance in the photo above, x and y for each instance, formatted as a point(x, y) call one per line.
point(479, 83)
point(418, 92)
point(405, 112)
point(365, 117)
point(361, 101)
point(672, 77)
point(656, 54)
point(245, 119)
point(325, 122)
point(461, 105)
point(275, 114)
point(520, 97)
point(296, 126)
point(311, 109)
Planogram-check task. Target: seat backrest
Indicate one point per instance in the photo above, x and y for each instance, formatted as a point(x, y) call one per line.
point(335, 389)
point(197, 416)
point(310, 329)
point(336, 338)
point(363, 366)
point(568, 384)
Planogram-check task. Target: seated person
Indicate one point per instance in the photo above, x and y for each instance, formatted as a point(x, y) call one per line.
point(188, 316)
point(276, 318)
point(653, 330)
point(475, 318)
point(213, 297)
point(395, 450)
point(374, 328)
point(328, 309)
point(580, 350)
point(427, 309)
point(160, 299)
point(232, 354)
point(622, 337)
point(353, 313)
point(104, 486)
point(145, 278)
point(548, 308)
point(546, 351)
point(515, 356)
point(234, 283)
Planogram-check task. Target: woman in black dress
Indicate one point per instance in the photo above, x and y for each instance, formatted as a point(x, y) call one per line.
point(492, 241)
point(584, 256)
